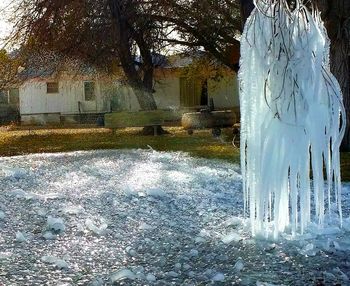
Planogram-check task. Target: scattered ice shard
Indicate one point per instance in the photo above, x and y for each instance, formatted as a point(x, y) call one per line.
point(239, 265)
point(151, 278)
point(156, 193)
point(291, 109)
point(17, 173)
point(218, 277)
point(97, 229)
point(122, 275)
point(59, 263)
point(55, 225)
point(20, 237)
point(231, 237)
point(2, 215)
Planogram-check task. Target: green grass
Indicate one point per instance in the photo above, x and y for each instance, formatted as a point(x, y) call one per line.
point(201, 144)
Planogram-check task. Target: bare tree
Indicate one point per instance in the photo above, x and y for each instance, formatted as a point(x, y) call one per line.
point(106, 33)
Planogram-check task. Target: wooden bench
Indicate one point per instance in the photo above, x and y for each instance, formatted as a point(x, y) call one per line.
point(152, 118)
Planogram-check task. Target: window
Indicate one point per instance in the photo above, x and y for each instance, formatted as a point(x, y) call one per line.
point(52, 87)
point(89, 91)
point(190, 92)
point(14, 96)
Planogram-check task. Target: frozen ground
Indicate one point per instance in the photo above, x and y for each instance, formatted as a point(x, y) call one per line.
point(147, 218)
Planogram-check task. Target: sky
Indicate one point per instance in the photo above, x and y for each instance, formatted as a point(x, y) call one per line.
point(5, 27)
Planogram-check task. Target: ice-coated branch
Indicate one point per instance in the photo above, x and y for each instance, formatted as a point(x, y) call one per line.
point(291, 126)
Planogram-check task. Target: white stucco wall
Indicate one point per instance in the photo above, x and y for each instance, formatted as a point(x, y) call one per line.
point(224, 92)
point(34, 99)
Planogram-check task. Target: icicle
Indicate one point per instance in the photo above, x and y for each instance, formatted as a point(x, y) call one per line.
point(290, 118)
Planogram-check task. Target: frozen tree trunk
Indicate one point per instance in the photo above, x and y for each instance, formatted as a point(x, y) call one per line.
point(291, 107)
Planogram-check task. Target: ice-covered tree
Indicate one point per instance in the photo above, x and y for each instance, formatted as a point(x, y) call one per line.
point(292, 118)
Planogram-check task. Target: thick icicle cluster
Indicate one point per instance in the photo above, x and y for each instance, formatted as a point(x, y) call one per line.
point(291, 108)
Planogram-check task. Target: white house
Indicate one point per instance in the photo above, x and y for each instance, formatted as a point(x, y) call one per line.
point(61, 97)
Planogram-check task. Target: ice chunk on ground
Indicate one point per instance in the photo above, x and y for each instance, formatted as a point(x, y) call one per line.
point(194, 252)
point(178, 266)
point(259, 283)
point(239, 265)
point(96, 282)
point(156, 193)
point(122, 275)
point(218, 277)
point(95, 228)
point(151, 278)
point(231, 237)
point(20, 237)
point(172, 274)
point(2, 215)
point(233, 221)
point(59, 263)
point(73, 210)
point(131, 251)
point(20, 194)
point(308, 250)
point(5, 255)
point(17, 173)
point(145, 226)
point(48, 235)
point(55, 225)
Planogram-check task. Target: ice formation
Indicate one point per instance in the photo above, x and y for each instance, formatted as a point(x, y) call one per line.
point(291, 109)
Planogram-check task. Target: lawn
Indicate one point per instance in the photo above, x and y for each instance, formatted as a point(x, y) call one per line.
point(18, 141)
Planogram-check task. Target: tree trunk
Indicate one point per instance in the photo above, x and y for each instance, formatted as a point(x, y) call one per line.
point(142, 87)
point(337, 18)
point(125, 34)
point(247, 7)
point(340, 68)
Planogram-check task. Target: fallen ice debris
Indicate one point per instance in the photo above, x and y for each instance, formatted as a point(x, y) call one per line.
point(151, 278)
point(200, 239)
point(239, 265)
point(231, 237)
point(96, 282)
point(145, 226)
point(218, 277)
point(194, 252)
point(55, 225)
point(17, 173)
point(59, 263)
point(308, 250)
point(48, 235)
point(72, 210)
point(20, 194)
point(156, 193)
point(20, 237)
point(342, 244)
point(96, 229)
point(340, 273)
point(233, 221)
point(5, 255)
point(2, 215)
point(172, 274)
point(122, 275)
point(132, 252)
point(259, 283)
point(178, 266)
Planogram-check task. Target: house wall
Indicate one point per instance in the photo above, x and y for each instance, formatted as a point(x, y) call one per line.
point(36, 103)
point(225, 92)
point(167, 93)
